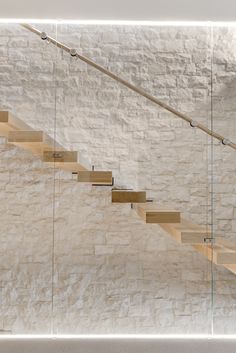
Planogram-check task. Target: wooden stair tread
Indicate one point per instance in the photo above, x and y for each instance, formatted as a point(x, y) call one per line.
point(128, 196)
point(231, 268)
point(38, 142)
point(187, 232)
point(66, 160)
point(95, 177)
point(10, 123)
point(221, 252)
point(226, 243)
point(35, 141)
point(150, 213)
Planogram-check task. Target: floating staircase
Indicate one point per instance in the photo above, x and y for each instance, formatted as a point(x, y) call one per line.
point(216, 250)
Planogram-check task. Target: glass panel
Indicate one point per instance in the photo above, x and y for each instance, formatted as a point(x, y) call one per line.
point(27, 91)
point(224, 176)
point(71, 260)
point(114, 273)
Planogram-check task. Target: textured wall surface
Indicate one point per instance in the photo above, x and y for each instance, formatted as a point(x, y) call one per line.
point(71, 262)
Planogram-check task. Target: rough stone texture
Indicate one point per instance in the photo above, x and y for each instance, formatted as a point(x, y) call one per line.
point(70, 261)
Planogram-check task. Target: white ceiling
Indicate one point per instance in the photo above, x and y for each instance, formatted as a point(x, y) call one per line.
point(135, 10)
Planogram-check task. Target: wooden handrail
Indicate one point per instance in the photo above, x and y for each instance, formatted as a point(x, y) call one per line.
point(138, 90)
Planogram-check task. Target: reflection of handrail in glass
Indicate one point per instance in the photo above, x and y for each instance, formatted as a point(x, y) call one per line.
point(138, 90)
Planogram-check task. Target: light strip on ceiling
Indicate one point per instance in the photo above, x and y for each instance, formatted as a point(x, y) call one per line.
point(120, 336)
point(121, 22)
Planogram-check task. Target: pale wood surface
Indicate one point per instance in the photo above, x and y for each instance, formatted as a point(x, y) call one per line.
point(150, 213)
point(60, 156)
point(231, 268)
point(38, 142)
point(10, 123)
point(218, 252)
point(66, 160)
point(35, 141)
point(187, 232)
point(95, 177)
point(127, 196)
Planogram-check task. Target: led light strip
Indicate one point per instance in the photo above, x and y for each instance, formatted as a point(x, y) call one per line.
point(120, 336)
point(122, 22)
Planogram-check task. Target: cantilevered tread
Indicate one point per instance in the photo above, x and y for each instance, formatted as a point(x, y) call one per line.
point(220, 252)
point(35, 141)
point(128, 196)
point(38, 142)
point(10, 123)
point(95, 177)
point(150, 213)
point(66, 160)
point(187, 232)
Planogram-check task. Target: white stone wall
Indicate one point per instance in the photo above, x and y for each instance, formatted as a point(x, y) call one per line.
point(71, 262)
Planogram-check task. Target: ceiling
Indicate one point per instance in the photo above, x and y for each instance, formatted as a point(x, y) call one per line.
point(134, 10)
